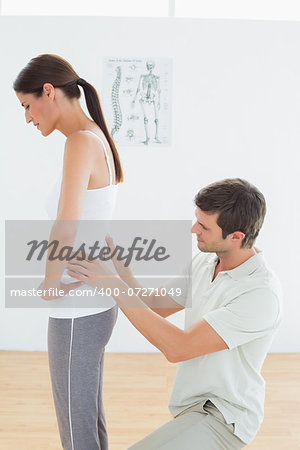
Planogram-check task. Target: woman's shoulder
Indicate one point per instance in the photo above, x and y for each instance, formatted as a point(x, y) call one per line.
point(78, 136)
point(87, 141)
point(79, 149)
point(87, 135)
point(83, 141)
point(82, 149)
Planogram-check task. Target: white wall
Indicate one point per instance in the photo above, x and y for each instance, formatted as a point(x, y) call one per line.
point(236, 112)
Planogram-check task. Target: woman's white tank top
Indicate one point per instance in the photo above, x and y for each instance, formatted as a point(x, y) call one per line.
point(98, 205)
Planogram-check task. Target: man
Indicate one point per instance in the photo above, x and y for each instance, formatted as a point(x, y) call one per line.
point(218, 396)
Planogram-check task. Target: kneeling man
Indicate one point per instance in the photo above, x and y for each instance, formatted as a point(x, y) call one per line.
point(218, 395)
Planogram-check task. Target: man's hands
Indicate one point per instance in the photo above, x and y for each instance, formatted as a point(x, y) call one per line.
point(122, 271)
point(94, 272)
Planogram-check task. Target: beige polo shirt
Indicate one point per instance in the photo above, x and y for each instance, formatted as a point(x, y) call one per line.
point(243, 306)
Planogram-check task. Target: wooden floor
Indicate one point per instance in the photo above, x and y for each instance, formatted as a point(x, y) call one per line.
point(136, 391)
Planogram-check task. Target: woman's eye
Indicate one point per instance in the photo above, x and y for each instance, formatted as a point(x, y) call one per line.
point(27, 107)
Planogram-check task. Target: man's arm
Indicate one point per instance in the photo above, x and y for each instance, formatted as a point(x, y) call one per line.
point(176, 344)
point(167, 306)
point(162, 304)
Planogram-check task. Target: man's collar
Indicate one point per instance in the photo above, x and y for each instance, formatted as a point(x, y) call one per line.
point(244, 269)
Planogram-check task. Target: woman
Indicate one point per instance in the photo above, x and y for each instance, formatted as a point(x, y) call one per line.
point(85, 189)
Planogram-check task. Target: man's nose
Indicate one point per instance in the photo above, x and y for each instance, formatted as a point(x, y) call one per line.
point(193, 229)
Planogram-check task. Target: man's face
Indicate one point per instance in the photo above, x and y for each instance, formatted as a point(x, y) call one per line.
point(208, 232)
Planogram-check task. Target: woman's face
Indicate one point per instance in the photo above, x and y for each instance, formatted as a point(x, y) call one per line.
point(41, 111)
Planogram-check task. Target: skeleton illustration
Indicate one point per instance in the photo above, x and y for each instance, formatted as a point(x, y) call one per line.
point(133, 117)
point(128, 91)
point(149, 94)
point(130, 133)
point(116, 103)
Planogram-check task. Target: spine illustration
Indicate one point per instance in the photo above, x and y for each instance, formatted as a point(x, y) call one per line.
point(117, 121)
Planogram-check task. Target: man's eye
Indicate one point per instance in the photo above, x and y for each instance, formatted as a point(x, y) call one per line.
point(26, 107)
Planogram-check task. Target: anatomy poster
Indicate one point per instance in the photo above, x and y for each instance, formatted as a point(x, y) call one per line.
point(136, 99)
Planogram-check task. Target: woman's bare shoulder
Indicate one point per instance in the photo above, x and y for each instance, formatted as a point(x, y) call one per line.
point(79, 149)
point(78, 136)
point(89, 138)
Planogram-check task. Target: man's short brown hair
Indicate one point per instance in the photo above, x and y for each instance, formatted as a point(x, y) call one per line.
point(241, 207)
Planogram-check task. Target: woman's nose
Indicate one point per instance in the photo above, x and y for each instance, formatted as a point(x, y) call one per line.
point(28, 117)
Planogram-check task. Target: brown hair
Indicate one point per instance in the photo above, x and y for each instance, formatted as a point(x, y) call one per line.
point(57, 71)
point(241, 205)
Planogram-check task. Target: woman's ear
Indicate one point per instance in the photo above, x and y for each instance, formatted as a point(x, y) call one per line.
point(49, 90)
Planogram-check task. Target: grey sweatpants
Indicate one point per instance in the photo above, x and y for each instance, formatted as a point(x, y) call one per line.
point(76, 358)
point(201, 427)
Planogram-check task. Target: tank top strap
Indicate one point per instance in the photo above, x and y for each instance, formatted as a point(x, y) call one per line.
point(106, 155)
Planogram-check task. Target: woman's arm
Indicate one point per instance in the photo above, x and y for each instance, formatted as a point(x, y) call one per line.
point(77, 168)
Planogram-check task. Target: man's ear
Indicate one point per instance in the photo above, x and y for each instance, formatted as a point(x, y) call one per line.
point(238, 236)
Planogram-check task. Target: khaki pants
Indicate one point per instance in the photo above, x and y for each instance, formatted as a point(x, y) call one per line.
point(200, 427)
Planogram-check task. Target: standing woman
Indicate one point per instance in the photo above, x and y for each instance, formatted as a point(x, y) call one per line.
point(85, 190)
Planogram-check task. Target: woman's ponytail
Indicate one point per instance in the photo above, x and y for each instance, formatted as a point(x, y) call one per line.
point(95, 110)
